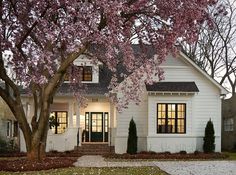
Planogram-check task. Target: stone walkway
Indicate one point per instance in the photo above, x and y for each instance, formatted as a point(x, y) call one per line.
point(171, 167)
point(98, 161)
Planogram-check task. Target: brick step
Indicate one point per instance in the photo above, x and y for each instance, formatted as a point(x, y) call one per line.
point(93, 149)
point(94, 153)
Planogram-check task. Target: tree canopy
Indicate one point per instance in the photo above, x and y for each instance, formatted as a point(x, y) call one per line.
point(46, 36)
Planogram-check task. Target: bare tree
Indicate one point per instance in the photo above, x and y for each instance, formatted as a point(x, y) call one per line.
point(215, 49)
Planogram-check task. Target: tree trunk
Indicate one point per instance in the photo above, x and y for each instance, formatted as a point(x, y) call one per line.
point(36, 153)
point(37, 150)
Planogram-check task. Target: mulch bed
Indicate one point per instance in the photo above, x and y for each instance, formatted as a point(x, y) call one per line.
point(22, 164)
point(169, 156)
point(49, 154)
point(17, 161)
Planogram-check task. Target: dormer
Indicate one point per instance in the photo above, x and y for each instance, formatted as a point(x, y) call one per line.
point(89, 71)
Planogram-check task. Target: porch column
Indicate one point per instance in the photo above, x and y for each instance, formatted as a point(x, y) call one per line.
point(77, 112)
point(70, 114)
point(111, 125)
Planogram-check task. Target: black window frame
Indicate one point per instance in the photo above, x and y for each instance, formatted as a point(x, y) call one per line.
point(168, 118)
point(83, 70)
point(58, 123)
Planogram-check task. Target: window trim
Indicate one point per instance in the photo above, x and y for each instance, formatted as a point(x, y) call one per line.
point(176, 118)
point(60, 123)
point(227, 125)
point(9, 129)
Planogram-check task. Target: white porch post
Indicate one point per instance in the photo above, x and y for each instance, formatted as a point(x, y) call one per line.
point(77, 112)
point(111, 125)
point(70, 114)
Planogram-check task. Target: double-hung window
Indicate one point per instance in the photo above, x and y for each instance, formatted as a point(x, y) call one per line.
point(171, 118)
point(9, 128)
point(60, 120)
point(229, 124)
point(85, 73)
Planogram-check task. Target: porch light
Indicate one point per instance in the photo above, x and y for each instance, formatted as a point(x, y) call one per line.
point(74, 120)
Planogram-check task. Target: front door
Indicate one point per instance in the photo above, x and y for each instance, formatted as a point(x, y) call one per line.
point(96, 126)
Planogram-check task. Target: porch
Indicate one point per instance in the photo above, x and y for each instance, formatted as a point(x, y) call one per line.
point(84, 129)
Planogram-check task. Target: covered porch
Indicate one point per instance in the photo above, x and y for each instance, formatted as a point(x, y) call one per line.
point(79, 126)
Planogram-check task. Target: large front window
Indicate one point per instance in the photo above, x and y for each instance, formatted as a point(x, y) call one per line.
point(59, 121)
point(171, 118)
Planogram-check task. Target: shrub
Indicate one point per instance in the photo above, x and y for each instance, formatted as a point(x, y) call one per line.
point(3, 146)
point(7, 146)
point(209, 139)
point(132, 138)
point(167, 152)
point(183, 152)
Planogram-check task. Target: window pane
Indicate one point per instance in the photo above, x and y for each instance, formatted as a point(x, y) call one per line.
point(180, 126)
point(163, 115)
point(173, 114)
point(163, 107)
point(171, 126)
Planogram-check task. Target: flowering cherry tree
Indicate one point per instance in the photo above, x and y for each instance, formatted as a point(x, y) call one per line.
point(46, 36)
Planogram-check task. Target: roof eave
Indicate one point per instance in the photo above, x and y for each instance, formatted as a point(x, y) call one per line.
point(223, 91)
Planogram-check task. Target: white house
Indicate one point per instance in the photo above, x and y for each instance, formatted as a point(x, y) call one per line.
point(8, 124)
point(171, 117)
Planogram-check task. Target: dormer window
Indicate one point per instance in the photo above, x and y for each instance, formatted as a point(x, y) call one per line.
point(86, 73)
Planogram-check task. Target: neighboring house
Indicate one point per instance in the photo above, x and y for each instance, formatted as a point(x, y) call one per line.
point(8, 125)
point(171, 116)
point(229, 124)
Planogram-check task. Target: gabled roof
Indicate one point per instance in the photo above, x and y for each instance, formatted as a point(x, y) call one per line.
point(105, 76)
point(191, 62)
point(173, 87)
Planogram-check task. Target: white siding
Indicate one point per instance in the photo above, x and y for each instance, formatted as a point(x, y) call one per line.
point(201, 107)
point(140, 115)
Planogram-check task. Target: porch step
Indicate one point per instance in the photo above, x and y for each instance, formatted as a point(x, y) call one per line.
point(94, 149)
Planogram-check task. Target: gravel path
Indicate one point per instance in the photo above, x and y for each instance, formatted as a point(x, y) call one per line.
point(171, 167)
point(198, 167)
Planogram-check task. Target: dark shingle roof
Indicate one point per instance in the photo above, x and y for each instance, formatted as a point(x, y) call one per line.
point(173, 87)
point(91, 88)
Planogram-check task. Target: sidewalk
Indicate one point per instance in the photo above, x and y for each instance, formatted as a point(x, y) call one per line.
point(172, 167)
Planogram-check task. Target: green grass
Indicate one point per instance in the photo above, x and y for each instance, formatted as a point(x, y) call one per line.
point(232, 156)
point(96, 171)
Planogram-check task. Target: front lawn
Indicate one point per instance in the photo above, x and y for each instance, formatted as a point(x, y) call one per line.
point(96, 171)
point(231, 155)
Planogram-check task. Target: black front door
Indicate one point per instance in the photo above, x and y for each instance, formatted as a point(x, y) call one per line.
point(96, 127)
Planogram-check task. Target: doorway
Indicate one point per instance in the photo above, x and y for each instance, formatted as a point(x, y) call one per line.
point(96, 127)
